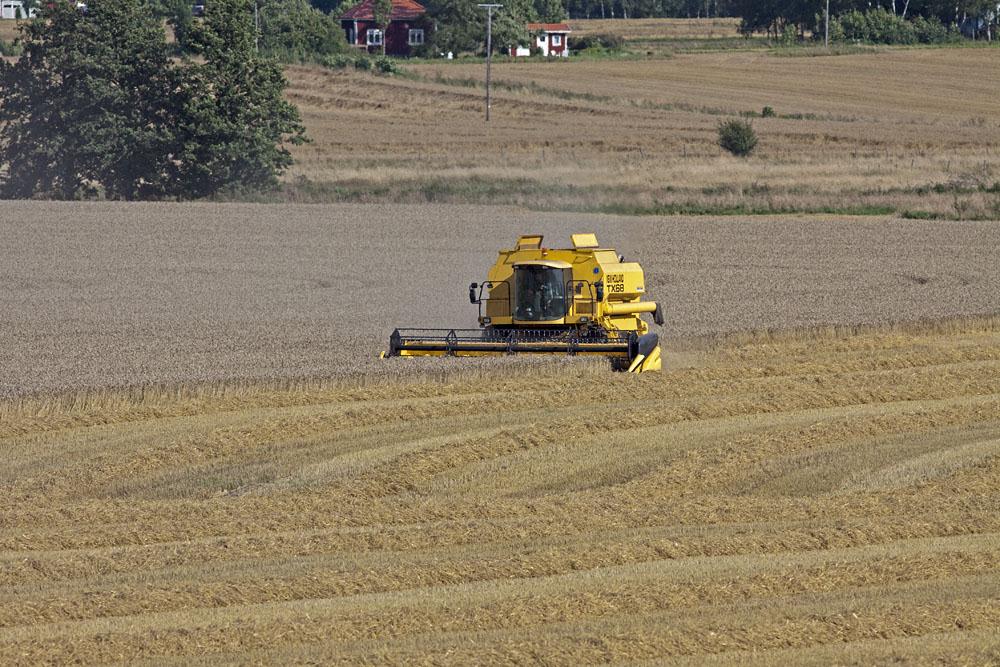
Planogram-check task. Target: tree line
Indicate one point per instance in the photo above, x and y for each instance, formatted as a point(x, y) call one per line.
point(774, 16)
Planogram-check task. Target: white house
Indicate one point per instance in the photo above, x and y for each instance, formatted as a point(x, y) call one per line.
point(14, 9)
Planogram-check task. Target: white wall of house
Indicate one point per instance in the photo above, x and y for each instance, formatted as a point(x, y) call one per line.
point(12, 9)
point(545, 41)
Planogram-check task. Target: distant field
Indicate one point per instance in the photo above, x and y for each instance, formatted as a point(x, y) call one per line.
point(644, 29)
point(813, 499)
point(906, 132)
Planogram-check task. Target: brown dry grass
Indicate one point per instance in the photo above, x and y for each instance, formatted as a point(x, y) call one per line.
point(905, 130)
point(9, 30)
point(809, 498)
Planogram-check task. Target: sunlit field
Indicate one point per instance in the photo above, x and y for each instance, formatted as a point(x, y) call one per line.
point(819, 497)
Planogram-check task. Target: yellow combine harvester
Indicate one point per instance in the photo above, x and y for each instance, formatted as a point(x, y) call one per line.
point(580, 300)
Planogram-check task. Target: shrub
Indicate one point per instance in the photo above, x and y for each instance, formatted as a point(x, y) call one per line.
point(880, 26)
point(768, 112)
point(385, 65)
point(931, 31)
point(337, 61)
point(888, 28)
point(737, 137)
point(836, 29)
point(790, 35)
point(363, 63)
point(12, 48)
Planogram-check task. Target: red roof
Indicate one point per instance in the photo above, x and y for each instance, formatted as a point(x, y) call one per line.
point(402, 10)
point(549, 27)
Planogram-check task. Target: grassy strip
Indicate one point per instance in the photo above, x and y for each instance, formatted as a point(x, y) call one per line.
point(979, 215)
point(619, 200)
point(690, 208)
point(540, 197)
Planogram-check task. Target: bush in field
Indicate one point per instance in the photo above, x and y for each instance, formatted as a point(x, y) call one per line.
point(337, 61)
point(96, 107)
point(12, 48)
point(737, 137)
point(932, 31)
point(385, 65)
point(790, 35)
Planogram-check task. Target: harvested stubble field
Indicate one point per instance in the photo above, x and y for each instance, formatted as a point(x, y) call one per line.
point(909, 131)
point(97, 295)
point(9, 30)
point(827, 499)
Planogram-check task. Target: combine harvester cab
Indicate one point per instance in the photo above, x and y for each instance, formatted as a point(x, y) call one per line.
point(584, 300)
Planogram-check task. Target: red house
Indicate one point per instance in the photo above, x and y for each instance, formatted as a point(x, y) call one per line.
point(408, 27)
point(551, 38)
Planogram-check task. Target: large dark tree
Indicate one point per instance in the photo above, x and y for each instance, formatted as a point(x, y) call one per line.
point(234, 123)
point(84, 106)
point(95, 106)
point(461, 24)
point(295, 30)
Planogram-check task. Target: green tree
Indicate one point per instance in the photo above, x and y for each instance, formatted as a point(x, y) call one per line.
point(180, 16)
point(234, 124)
point(328, 6)
point(462, 25)
point(83, 108)
point(382, 13)
point(550, 11)
point(95, 106)
point(737, 137)
point(293, 30)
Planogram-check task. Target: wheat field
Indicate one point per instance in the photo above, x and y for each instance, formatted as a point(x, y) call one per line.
point(818, 497)
point(132, 294)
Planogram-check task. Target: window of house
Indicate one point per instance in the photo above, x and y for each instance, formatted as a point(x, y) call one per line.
point(375, 37)
point(556, 40)
point(416, 37)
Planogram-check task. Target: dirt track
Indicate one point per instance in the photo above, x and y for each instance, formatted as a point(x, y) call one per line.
point(107, 294)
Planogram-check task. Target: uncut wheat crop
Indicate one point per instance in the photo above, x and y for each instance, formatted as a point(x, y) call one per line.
point(99, 295)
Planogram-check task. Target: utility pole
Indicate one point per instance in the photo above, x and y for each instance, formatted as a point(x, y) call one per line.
point(826, 37)
point(489, 50)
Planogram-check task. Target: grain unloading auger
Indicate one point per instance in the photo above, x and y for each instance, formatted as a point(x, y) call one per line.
point(584, 300)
